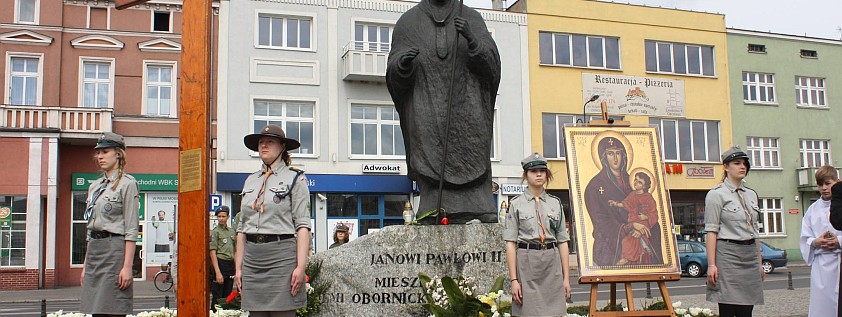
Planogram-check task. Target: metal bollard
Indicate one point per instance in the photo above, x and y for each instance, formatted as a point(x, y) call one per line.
point(43, 308)
point(648, 291)
point(789, 281)
point(167, 301)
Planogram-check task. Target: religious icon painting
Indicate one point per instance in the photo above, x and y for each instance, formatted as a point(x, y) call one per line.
point(621, 207)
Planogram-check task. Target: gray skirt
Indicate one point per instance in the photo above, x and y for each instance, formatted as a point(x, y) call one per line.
point(739, 281)
point(267, 272)
point(100, 292)
point(541, 282)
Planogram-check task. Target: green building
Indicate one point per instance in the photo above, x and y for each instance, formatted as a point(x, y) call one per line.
point(786, 101)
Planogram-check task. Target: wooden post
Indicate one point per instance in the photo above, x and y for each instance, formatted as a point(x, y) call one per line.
point(194, 166)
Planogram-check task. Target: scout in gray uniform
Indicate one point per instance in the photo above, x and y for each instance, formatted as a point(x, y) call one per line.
point(112, 215)
point(536, 246)
point(222, 256)
point(735, 274)
point(273, 235)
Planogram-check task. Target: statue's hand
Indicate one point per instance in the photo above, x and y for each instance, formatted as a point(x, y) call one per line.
point(464, 28)
point(408, 57)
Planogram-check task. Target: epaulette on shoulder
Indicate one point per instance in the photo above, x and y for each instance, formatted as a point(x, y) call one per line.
point(554, 197)
point(295, 169)
point(516, 197)
point(717, 186)
point(129, 176)
point(751, 189)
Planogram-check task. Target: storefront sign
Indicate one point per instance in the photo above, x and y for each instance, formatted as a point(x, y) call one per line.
point(700, 172)
point(145, 182)
point(382, 168)
point(512, 189)
point(634, 95)
point(5, 217)
point(793, 211)
point(330, 183)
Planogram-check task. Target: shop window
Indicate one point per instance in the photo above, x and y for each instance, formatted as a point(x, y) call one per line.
point(13, 236)
point(78, 229)
point(341, 205)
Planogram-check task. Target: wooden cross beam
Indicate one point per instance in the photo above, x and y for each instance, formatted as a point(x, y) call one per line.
point(194, 153)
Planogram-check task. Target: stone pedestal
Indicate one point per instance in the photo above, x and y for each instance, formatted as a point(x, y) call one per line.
point(377, 274)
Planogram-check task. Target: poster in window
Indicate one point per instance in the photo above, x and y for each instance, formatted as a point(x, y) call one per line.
point(621, 209)
point(160, 227)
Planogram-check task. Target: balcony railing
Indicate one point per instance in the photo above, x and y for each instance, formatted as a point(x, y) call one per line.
point(65, 119)
point(365, 61)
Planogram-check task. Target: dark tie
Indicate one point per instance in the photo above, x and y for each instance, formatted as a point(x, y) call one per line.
point(90, 209)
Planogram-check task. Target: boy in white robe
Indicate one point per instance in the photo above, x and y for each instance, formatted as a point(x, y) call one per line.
point(820, 248)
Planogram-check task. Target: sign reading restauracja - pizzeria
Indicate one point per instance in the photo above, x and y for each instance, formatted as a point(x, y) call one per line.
point(634, 95)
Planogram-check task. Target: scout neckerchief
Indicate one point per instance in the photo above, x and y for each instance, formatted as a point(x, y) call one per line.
point(540, 222)
point(266, 173)
point(98, 192)
point(739, 191)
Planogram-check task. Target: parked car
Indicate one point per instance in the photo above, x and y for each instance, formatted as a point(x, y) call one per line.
point(772, 257)
point(693, 257)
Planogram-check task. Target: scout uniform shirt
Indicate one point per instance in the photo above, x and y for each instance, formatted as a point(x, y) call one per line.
point(528, 221)
point(732, 212)
point(284, 200)
point(222, 240)
point(114, 210)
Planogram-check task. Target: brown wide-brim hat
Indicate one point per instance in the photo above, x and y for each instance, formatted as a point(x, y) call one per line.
point(271, 130)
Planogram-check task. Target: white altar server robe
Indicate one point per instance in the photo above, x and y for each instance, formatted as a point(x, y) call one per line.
point(824, 264)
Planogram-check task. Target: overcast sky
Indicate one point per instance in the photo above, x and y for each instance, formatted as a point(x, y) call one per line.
point(815, 18)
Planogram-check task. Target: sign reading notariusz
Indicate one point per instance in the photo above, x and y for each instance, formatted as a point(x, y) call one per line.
point(634, 95)
point(377, 274)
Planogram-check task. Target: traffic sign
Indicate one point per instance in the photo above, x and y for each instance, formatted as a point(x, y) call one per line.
point(215, 202)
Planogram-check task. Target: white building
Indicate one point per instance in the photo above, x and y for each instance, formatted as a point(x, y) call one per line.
point(317, 68)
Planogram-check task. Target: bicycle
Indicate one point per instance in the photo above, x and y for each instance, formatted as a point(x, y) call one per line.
point(163, 280)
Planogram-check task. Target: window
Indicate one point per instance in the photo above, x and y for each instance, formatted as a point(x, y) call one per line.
point(161, 21)
point(24, 78)
point(759, 88)
point(688, 140)
point(809, 54)
point(160, 85)
point(372, 37)
point(579, 50)
point(764, 152)
point(815, 153)
point(757, 48)
point(771, 216)
point(13, 237)
point(677, 58)
point(96, 84)
point(78, 229)
point(297, 118)
point(810, 92)
point(283, 31)
point(26, 11)
point(552, 136)
point(373, 211)
point(376, 132)
point(98, 18)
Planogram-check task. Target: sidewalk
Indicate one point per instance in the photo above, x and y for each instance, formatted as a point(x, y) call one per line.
point(142, 289)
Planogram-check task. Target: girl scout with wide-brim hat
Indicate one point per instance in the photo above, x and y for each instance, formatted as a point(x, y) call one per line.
point(112, 215)
point(537, 246)
point(273, 234)
point(735, 273)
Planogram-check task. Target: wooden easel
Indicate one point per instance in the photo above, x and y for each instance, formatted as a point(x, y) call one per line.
point(606, 122)
point(627, 280)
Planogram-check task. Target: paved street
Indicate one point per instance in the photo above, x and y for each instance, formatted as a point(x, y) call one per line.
point(690, 291)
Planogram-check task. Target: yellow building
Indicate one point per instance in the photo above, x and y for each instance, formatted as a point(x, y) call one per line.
point(657, 66)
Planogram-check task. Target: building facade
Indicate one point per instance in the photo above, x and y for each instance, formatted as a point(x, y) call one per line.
point(73, 70)
point(578, 49)
point(317, 68)
point(785, 117)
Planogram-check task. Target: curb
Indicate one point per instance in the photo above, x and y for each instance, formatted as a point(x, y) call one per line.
point(71, 299)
